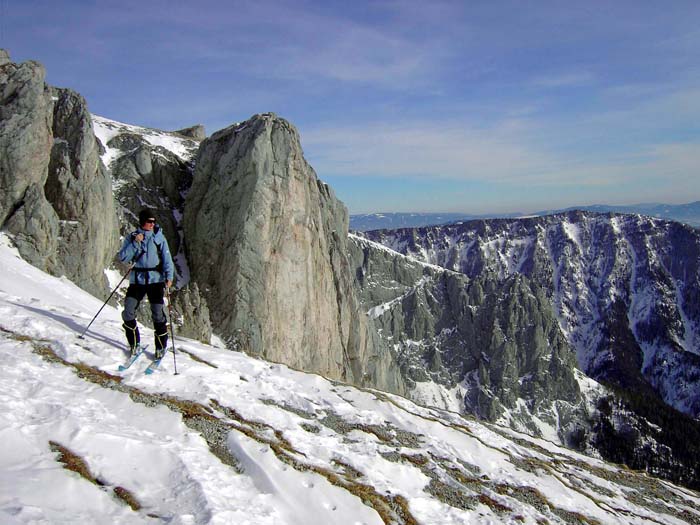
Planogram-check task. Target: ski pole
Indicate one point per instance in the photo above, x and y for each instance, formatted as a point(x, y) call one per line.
point(172, 331)
point(131, 266)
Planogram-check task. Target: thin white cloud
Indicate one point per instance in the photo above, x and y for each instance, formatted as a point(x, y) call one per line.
point(424, 150)
point(512, 152)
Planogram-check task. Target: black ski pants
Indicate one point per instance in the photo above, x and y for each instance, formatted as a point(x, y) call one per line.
point(135, 294)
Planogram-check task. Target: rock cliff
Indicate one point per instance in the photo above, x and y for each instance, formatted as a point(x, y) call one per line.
point(494, 348)
point(267, 245)
point(624, 288)
point(55, 195)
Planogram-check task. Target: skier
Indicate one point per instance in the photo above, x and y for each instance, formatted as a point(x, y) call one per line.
point(153, 270)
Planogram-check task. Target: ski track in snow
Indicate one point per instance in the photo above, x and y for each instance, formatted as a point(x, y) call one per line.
point(170, 468)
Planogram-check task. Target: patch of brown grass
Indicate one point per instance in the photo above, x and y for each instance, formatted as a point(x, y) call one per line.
point(127, 497)
point(73, 462)
point(92, 374)
point(493, 504)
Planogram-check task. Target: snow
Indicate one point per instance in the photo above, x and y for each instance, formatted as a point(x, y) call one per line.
point(395, 253)
point(378, 311)
point(305, 447)
point(431, 394)
point(573, 232)
point(106, 129)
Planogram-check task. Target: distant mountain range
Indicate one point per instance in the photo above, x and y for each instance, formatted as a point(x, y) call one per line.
point(685, 213)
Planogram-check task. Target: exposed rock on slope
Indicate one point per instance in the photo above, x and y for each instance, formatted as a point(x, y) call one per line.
point(56, 196)
point(80, 190)
point(196, 132)
point(267, 243)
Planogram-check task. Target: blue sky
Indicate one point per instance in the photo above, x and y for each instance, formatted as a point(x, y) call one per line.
point(475, 107)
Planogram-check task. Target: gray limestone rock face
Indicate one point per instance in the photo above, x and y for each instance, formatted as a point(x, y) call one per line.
point(196, 132)
point(55, 197)
point(26, 116)
point(34, 226)
point(267, 244)
point(80, 190)
point(192, 318)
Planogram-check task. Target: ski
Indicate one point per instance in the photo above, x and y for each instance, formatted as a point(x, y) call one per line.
point(133, 358)
point(154, 365)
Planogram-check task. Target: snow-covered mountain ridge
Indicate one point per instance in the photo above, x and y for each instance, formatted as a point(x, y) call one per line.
point(602, 273)
point(623, 293)
point(237, 439)
point(106, 130)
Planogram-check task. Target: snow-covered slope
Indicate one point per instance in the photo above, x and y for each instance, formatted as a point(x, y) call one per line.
point(107, 129)
point(232, 439)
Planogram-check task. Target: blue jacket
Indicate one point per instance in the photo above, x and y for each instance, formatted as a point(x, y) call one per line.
point(149, 254)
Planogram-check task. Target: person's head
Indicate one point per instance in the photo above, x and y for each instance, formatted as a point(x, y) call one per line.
point(147, 219)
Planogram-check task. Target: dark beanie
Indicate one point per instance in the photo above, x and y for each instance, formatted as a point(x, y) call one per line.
point(144, 215)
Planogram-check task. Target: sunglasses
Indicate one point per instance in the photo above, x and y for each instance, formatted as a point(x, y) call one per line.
point(149, 221)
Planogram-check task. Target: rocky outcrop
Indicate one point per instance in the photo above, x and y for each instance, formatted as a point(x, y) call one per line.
point(55, 194)
point(26, 117)
point(267, 245)
point(191, 314)
point(80, 191)
point(196, 132)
